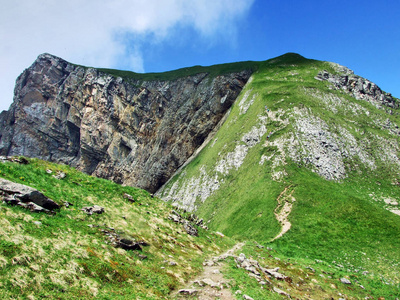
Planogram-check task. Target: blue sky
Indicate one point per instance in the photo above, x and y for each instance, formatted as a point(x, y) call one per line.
point(155, 35)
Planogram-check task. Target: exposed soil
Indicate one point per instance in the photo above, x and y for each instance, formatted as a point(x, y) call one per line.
point(285, 202)
point(210, 284)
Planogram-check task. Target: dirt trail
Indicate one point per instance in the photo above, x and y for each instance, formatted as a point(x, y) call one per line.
point(285, 202)
point(210, 284)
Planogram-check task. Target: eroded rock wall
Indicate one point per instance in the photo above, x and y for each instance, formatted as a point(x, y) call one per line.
point(130, 131)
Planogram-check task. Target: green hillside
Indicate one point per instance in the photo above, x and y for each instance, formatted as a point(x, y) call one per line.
point(261, 152)
point(213, 70)
point(68, 255)
point(302, 172)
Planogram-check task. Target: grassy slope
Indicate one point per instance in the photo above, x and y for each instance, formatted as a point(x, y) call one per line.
point(214, 70)
point(333, 221)
point(65, 258)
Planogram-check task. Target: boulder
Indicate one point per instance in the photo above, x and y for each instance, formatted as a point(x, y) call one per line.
point(60, 175)
point(219, 234)
point(95, 209)
point(345, 281)
point(190, 229)
point(34, 207)
point(280, 292)
point(15, 193)
point(188, 291)
point(129, 197)
point(128, 245)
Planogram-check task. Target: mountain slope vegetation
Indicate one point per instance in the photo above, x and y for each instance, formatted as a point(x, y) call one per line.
point(337, 156)
point(70, 255)
point(303, 170)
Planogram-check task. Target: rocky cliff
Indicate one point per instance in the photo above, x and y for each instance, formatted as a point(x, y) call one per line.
point(132, 131)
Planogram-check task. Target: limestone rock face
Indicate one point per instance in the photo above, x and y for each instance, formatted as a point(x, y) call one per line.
point(359, 87)
point(134, 132)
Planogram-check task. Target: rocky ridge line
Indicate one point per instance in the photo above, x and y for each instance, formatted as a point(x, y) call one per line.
point(358, 87)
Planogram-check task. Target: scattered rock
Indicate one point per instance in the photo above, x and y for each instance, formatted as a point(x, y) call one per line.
point(211, 283)
point(17, 194)
point(129, 197)
point(174, 218)
point(345, 281)
point(280, 292)
point(60, 175)
point(190, 229)
point(20, 160)
point(188, 292)
point(219, 234)
point(240, 259)
point(67, 204)
point(274, 273)
point(95, 209)
point(311, 269)
point(247, 297)
point(128, 245)
point(34, 207)
point(208, 263)
point(188, 223)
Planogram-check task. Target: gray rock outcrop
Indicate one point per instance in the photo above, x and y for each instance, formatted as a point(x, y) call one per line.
point(95, 209)
point(131, 131)
point(23, 195)
point(359, 87)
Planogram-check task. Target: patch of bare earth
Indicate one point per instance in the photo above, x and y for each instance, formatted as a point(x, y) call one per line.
point(285, 202)
point(210, 284)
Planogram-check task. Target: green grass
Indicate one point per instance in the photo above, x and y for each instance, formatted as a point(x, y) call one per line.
point(69, 256)
point(339, 228)
point(338, 222)
point(307, 278)
point(213, 71)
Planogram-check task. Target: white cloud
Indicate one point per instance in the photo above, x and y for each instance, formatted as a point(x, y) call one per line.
point(87, 31)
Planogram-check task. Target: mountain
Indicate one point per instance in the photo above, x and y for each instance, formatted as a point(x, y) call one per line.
point(135, 130)
point(310, 154)
point(297, 157)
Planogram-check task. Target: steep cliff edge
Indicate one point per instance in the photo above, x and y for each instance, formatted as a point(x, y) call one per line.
point(132, 131)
